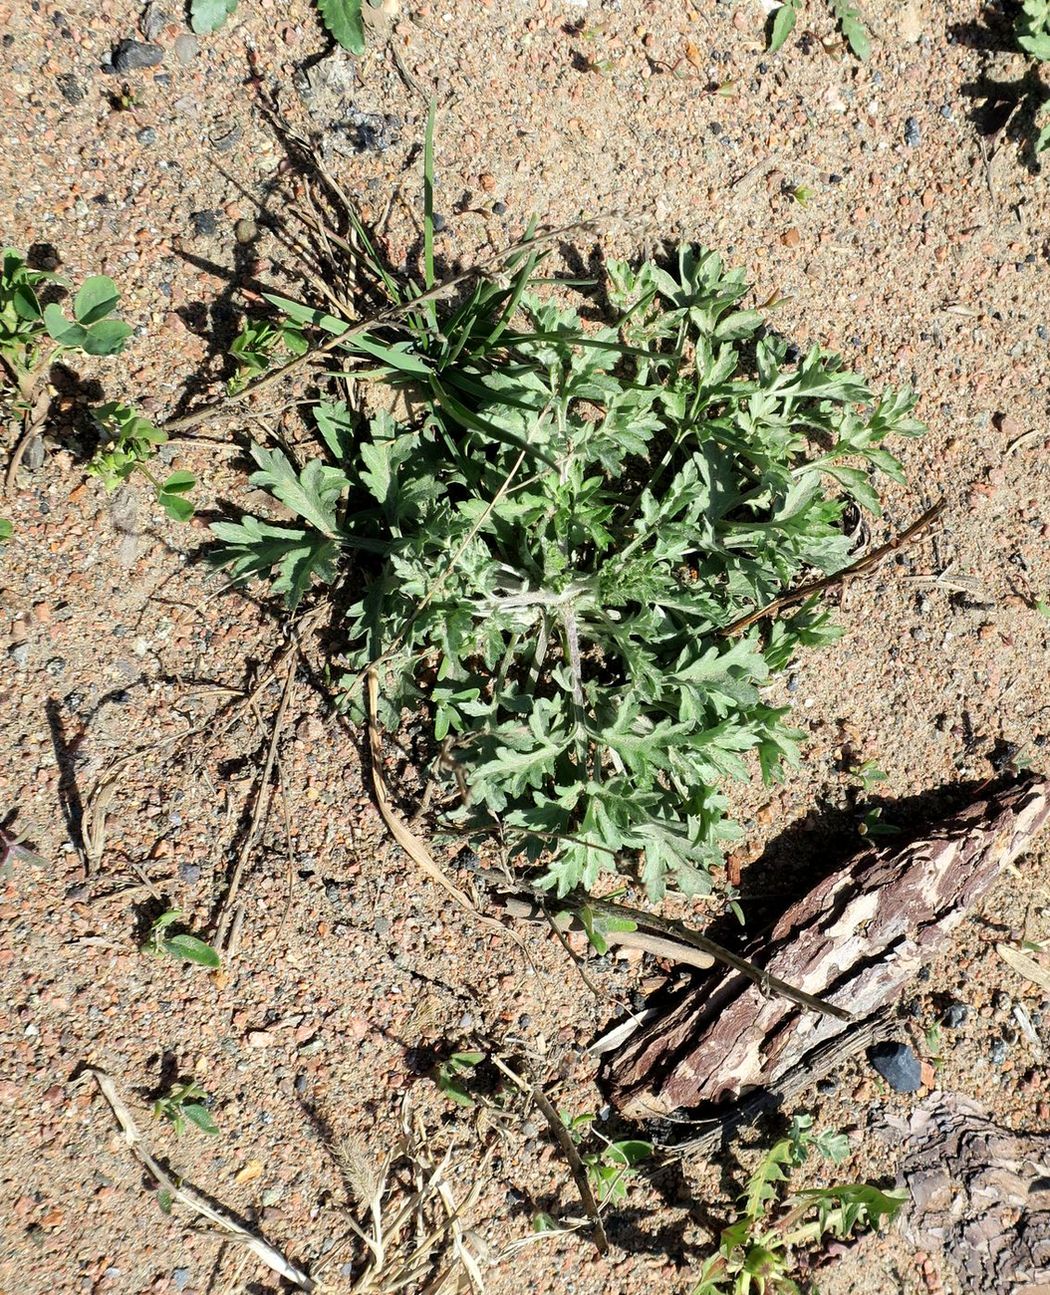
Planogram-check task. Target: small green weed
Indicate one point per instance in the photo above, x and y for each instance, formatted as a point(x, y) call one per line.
point(868, 774)
point(127, 442)
point(846, 15)
point(183, 1104)
point(187, 947)
point(342, 18)
point(611, 1165)
point(551, 539)
point(756, 1251)
point(452, 1073)
point(26, 326)
point(258, 345)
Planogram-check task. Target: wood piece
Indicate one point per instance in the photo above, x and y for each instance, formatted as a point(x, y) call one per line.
point(977, 1192)
point(856, 939)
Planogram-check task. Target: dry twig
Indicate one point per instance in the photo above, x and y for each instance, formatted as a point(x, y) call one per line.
point(861, 567)
point(186, 1196)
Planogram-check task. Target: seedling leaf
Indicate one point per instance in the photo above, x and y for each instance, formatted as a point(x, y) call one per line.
point(207, 16)
point(191, 949)
point(344, 23)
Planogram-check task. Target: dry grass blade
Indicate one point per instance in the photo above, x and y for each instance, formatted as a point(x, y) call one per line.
point(262, 802)
point(406, 839)
point(859, 568)
point(409, 1221)
point(568, 1150)
point(1024, 965)
point(185, 1196)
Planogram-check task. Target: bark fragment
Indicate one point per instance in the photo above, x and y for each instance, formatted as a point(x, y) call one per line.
point(856, 939)
point(978, 1192)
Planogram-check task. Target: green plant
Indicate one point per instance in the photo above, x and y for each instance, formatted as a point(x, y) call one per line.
point(450, 1074)
point(756, 1251)
point(25, 325)
point(1032, 28)
point(611, 1165)
point(342, 18)
point(187, 947)
point(868, 774)
point(256, 347)
point(846, 15)
point(6, 530)
point(182, 1103)
point(127, 442)
point(552, 539)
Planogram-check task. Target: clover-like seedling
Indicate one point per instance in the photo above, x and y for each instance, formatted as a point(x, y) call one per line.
point(90, 330)
point(21, 314)
point(184, 1104)
point(128, 442)
point(189, 948)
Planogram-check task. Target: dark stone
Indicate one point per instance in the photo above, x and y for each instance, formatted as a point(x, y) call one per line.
point(133, 55)
point(190, 873)
point(204, 223)
point(372, 132)
point(912, 133)
point(439, 222)
point(997, 1055)
point(898, 1065)
point(147, 136)
point(69, 87)
point(955, 1015)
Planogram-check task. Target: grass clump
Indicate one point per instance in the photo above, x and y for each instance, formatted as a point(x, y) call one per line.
point(547, 537)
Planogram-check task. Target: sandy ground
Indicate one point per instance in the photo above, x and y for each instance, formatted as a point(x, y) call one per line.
point(922, 253)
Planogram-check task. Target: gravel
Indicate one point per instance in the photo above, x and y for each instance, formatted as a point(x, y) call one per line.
point(134, 56)
point(898, 1065)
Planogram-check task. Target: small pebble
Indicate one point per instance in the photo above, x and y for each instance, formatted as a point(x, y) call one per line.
point(69, 87)
point(204, 223)
point(153, 21)
point(190, 873)
point(55, 666)
point(439, 222)
point(147, 136)
point(912, 134)
point(381, 925)
point(898, 1065)
point(180, 1278)
point(132, 55)
point(955, 1015)
point(245, 231)
point(19, 654)
point(1002, 1002)
point(186, 47)
point(997, 1054)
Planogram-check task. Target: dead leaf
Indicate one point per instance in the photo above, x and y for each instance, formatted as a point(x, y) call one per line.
point(252, 1170)
point(692, 54)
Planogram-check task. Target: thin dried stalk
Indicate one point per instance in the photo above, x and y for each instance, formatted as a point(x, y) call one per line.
point(186, 1196)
